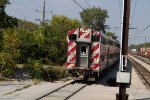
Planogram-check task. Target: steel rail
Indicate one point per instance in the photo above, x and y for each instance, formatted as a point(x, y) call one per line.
point(75, 92)
point(67, 97)
point(142, 59)
point(143, 72)
point(54, 90)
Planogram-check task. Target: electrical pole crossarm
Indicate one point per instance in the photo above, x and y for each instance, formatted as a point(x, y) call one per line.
point(43, 12)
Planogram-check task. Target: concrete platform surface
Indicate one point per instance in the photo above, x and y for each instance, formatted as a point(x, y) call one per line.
point(102, 91)
point(34, 91)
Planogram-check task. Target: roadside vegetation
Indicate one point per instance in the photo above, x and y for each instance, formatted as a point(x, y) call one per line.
point(138, 46)
point(33, 46)
point(36, 46)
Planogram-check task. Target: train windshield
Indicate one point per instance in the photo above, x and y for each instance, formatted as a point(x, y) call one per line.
point(83, 50)
point(95, 38)
point(72, 37)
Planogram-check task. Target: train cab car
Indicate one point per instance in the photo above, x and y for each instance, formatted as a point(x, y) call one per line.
point(90, 52)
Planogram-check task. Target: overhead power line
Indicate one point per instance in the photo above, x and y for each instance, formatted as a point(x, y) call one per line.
point(92, 20)
point(34, 3)
point(23, 5)
point(120, 9)
point(84, 10)
point(87, 3)
point(132, 17)
point(79, 5)
point(141, 31)
point(146, 27)
point(17, 10)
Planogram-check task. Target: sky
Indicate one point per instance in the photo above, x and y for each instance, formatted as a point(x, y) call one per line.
point(139, 14)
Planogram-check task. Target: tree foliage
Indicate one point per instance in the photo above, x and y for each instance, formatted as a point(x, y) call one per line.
point(46, 44)
point(111, 34)
point(9, 53)
point(94, 17)
point(138, 46)
point(56, 37)
point(27, 25)
point(5, 20)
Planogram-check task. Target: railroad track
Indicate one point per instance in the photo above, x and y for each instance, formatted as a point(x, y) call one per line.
point(143, 72)
point(65, 92)
point(142, 59)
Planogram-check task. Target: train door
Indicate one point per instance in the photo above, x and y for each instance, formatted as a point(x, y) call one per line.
point(83, 56)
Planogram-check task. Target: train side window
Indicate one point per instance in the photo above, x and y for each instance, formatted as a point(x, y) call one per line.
point(108, 42)
point(72, 37)
point(111, 43)
point(104, 41)
point(101, 39)
point(115, 44)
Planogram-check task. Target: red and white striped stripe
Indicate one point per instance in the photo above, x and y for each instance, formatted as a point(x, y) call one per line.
point(84, 33)
point(95, 56)
point(70, 65)
point(71, 51)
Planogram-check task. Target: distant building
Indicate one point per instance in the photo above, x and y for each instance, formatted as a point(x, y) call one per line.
point(134, 50)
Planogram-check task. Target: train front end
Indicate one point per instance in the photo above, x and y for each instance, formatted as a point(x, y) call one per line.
point(83, 57)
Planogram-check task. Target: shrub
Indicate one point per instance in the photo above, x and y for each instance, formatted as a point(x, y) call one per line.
point(37, 71)
point(54, 73)
point(7, 64)
point(35, 68)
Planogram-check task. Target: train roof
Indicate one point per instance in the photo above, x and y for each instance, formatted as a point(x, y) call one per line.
point(99, 32)
point(109, 38)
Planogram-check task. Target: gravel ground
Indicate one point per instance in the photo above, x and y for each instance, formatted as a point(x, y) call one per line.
point(8, 87)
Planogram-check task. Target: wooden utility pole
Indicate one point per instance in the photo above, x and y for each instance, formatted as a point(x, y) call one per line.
point(43, 21)
point(43, 12)
point(123, 76)
point(125, 30)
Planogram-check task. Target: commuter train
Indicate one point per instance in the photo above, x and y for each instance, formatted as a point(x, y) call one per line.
point(90, 53)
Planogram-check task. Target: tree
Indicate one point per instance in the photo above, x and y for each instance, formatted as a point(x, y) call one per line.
point(56, 37)
point(111, 34)
point(27, 25)
point(9, 53)
point(94, 17)
point(62, 24)
point(5, 20)
point(46, 43)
